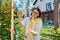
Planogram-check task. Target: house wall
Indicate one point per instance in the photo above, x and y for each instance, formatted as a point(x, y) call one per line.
point(42, 4)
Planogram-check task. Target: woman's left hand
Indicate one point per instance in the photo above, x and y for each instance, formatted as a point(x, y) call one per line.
point(28, 31)
point(33, 33)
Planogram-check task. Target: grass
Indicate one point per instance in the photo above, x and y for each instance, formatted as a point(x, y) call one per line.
point(47, 33)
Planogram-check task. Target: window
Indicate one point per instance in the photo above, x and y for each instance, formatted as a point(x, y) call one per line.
point(48, 6)
point(58, 0)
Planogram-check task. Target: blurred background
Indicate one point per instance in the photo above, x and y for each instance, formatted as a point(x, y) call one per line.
point(50, 17)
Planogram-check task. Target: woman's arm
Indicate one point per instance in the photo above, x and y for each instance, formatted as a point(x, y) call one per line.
point(19, 18)
point(21, 21)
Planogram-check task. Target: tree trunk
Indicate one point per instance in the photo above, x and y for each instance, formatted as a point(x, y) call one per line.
point(56, 14)
point(27, 9)
point(59, 17)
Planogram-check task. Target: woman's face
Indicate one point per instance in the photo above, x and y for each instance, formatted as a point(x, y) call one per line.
point(35, 13)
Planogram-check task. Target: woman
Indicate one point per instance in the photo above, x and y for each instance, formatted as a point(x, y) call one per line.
point(32, 24)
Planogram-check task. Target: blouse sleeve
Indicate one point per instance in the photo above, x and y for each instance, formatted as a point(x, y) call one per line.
point(23, 22)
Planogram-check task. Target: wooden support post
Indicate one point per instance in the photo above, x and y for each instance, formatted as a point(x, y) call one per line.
point(12, 20)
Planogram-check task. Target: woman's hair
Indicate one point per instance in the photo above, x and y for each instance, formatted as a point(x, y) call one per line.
point(38, 11)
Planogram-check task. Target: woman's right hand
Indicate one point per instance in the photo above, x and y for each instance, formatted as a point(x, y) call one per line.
point(19, 14)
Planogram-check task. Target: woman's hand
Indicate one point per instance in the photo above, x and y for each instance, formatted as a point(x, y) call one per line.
point(33, 33)
point(19, 14)
point(28, 31)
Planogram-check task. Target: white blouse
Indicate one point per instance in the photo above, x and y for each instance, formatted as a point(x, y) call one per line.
point(37, 26)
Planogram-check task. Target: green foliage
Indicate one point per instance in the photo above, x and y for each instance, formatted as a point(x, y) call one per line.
point(4, 34)
point(19, 31)
point(48, 33)
point(5, 20)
